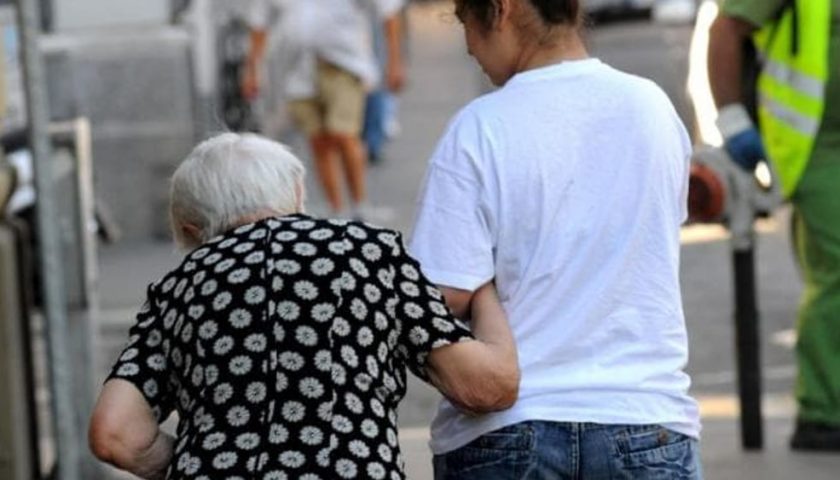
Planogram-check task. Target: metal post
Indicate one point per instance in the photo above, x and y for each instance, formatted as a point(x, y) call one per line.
point(748, 349)
point(66, 435)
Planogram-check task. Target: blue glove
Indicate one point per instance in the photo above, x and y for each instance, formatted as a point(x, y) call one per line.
point(746, 149)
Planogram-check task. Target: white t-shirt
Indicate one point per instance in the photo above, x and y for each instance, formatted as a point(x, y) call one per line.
point(568, 186)
point(339, 32)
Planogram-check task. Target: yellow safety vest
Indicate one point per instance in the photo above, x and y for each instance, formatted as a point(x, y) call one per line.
point(791, 86)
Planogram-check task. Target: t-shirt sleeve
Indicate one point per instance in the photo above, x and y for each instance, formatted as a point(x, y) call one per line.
point(143, 361)
point(453, 230)
point(757, 12)
point(426, 321)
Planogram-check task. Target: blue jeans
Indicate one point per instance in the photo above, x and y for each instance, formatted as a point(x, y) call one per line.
point(539, 450)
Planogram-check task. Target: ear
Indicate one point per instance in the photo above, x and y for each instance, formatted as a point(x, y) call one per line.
point(191, 232)
point(504, 9)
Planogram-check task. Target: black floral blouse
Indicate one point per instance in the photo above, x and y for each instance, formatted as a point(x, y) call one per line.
point(283, 347)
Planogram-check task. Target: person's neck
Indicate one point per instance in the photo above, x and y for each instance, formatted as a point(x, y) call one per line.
point(567, 46)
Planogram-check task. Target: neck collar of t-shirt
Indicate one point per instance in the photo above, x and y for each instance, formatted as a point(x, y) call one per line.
point(565, 68)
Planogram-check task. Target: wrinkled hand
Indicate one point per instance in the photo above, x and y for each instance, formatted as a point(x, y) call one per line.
point(746, 149)
point(250, 82)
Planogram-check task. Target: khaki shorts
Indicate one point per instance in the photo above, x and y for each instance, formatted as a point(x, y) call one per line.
point(338, 106)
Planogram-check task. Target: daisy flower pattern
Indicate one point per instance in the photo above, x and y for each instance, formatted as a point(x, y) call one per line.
point(283, 346)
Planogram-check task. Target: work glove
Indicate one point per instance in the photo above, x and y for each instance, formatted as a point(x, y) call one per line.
point(741, 138)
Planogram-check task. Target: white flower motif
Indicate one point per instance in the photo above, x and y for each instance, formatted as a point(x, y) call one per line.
point(353, 403)
point(240, 318)
point(277, 434)
point(240, 365)
point(214, 441)
point(325, 411)
point(346, 468)
point(291, 361)
point(258, 234)
point(348, 281)
point(386, 277)
point(410, 289)
point(391, 435)
point(311, 387)
point(377, 408)
point(179, 289)
point(279, 332)
point(303, 225)
point(288, 311)
point(211, 374)
point(128, 370)
point(306, 336)
point(129, 354)
point(322, 266)
point(311, 435)
point(292, 459)
point(150, 388)
point(340, 247)
point(244, 229)
point(306, 290)
point(255, 392)
point(221, 301)
point(443, 325)
point(359, 268)
point(285, 236)
point(243, 247)
point(224, 265)
point(238, 416)
point(372, 293)
point(418, 335)
point(199, 277)
point(195, 311)
point(239, 275)
point(438, 308)
point(382, 352)
point(247, 441)
point(212, 258)
point(197, 376)
point(256, 342)
point(363, 381)
point(359, 449)
point(348, 354)
point(372, 366)
point(323, 360)
point(222, 345)
point(189, 294)
point(413, 310)
point(281, 382)
point(228, 243)
point(305, 249)
point(376, 471)
point(369, 428)
point(371, 252)
point(208, 330)
point(323, 312)
point(358, 309)
point(321, 234)
point(156, 362)
point(365, 336)
point(356, 232)
point(342, 424)
point(224, 460)
point(293, 411)
point(380, 321)
point(198, 255)
point(209, 287)
point(154, 338)
point(255, 258)
point(277, 284)
point(385, 452)
point(410, 272)
point(338, 374)
point(255, 295)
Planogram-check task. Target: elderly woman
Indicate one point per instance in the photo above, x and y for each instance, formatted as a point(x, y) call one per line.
point(282, 340)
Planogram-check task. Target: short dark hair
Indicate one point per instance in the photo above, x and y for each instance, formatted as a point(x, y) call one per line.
point(551, 12)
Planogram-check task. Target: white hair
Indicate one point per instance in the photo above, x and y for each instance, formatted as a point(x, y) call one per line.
point(229, 177)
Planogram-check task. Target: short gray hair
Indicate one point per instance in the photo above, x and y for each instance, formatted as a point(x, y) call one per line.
point(231, 176)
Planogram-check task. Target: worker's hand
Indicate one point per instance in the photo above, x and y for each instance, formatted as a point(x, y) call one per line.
point(250, 82)
point(741, 138)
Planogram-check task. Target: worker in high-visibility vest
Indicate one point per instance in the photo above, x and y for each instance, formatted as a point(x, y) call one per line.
point(798, 130)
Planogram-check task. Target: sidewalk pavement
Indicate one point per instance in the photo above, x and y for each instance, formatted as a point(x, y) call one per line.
point(441, 79)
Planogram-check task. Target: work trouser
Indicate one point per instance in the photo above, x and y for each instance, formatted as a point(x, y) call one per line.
point(817, 239)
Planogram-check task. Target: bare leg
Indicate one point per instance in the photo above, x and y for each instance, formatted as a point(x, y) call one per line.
point(353, 156)
point(323, 149)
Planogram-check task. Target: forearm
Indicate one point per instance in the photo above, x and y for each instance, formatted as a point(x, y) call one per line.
point(393, 39)
point(256, 51)
point(153, 462)
point(726, 57)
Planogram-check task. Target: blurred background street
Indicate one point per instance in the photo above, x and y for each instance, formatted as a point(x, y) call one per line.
point(441, 79)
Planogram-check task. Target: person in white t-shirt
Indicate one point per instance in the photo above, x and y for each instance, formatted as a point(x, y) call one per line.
point(567, 188)
point(329, 66)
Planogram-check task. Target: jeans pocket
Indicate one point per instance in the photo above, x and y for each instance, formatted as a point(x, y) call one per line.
point(500, 455)
point(654, 452)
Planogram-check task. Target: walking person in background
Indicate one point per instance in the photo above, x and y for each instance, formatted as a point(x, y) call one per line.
point(331, 66)
point(798, 130)
point(567, 186)
point(283, 340)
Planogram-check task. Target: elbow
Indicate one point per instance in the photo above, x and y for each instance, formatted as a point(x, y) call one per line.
point(101, 435)
point(496, 392)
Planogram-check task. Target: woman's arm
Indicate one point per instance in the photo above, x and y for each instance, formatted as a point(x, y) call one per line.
point(124, 432)
point(480, 376)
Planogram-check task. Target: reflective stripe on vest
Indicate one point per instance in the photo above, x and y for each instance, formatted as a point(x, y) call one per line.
point(792, 86)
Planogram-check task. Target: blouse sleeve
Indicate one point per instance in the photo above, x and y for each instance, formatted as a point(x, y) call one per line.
point(143, 361)
point(426, 321)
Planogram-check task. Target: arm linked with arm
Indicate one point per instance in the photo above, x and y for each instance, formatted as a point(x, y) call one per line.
point(481, 376)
